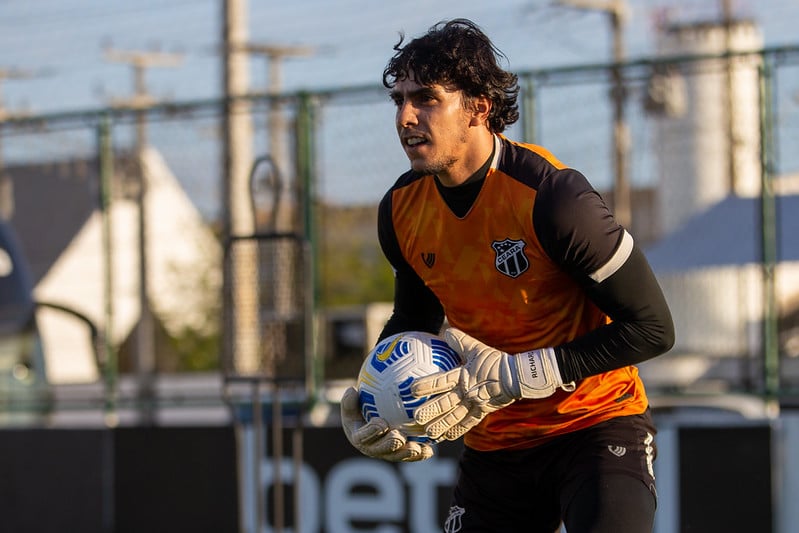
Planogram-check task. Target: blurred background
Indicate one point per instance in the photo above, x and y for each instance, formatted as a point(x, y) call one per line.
point(190, 274)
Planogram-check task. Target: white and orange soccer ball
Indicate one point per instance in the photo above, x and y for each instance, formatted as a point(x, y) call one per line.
point(384, 382)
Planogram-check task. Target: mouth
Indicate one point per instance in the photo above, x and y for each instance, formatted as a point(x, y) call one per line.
point(414, 141)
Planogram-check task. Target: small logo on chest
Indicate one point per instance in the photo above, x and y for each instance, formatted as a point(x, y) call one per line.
point(510, 259)
point(429, 259)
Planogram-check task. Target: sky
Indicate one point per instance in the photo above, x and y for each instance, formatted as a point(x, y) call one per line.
point(52, 52)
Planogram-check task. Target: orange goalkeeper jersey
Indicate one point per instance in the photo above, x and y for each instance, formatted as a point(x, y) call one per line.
point(511, 272)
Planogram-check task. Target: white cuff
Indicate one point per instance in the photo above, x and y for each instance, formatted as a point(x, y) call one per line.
point(538, 373)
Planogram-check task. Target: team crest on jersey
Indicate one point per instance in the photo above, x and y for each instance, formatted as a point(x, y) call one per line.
point(510, 259)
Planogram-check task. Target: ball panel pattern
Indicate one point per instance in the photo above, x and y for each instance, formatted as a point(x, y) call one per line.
point(387, 373)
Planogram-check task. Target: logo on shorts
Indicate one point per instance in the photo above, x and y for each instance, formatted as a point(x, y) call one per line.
point(618, 451)
point(510, 259)
point(453, 522)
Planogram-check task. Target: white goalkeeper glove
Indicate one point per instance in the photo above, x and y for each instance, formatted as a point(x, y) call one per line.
point(375, 438)
point(488, 380)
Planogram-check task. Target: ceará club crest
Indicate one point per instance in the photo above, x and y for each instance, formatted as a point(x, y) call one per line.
point(510, 259)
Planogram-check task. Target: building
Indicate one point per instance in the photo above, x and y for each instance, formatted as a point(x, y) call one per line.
point(707, 122)
point(87, 260)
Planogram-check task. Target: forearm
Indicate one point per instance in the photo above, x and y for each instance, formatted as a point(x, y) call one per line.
point(642, 326)
point(415, 308)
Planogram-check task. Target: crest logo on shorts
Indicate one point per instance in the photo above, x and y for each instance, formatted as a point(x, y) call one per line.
point(510, 259)
point(453, 523)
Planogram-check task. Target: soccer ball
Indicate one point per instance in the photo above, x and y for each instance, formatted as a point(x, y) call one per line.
point(384, 382)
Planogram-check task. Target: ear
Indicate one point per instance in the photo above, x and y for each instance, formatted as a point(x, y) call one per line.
point(481, 107)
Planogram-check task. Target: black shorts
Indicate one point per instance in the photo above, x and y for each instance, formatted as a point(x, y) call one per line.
point(575, 478)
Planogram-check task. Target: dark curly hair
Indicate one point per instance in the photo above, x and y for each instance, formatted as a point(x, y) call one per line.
point(458, 54)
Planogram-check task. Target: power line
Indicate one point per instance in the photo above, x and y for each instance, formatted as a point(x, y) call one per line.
point(11, 74)
point(140, 62)
point(78, 12)
point(6, 185)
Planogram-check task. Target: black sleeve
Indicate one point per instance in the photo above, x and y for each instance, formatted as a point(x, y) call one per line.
point(579, 233)
point(642, 326)
point(416, 308)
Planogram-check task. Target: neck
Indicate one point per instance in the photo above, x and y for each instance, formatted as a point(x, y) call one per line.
point(479, 151)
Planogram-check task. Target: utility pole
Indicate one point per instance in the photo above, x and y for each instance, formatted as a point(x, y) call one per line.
point(241, 320)
point(6, 185)
point(145, 362)
point(617, 12)
point(279, 298)
point(275, 55)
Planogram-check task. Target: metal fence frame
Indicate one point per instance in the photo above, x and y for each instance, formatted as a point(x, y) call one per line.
point(307, 108)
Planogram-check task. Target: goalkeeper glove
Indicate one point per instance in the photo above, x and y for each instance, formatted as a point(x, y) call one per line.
point(488, 380)
point(375, 438)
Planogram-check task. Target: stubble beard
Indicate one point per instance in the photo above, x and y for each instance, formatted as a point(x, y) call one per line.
point(435, 167)
point(438, 165)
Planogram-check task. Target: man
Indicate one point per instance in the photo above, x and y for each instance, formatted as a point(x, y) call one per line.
point(549, 300)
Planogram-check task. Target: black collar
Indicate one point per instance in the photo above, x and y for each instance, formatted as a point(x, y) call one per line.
point(461, 197)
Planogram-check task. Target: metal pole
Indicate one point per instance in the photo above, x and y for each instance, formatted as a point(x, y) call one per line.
point(529, 110)
point(617, 11)
point(622, 204)
point(307, 178)
point(296, 448)
point(278, 497)
point(259, 455)
point(145, 356)
point(771, 354)
point(109, 363)
point(145, 333)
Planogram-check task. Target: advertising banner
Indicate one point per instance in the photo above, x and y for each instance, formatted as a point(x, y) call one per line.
point(339, 490)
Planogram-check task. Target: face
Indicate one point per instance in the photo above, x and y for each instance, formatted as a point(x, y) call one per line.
point(433, 127)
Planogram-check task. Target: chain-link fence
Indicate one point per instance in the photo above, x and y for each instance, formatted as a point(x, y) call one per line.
point(682, 142)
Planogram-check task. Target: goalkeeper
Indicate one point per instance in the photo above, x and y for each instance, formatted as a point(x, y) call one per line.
point(550, 301)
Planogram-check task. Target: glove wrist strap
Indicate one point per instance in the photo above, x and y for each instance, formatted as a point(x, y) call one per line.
point(537, 372)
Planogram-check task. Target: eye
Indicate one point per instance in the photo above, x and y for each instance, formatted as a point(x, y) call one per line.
point(426, 98)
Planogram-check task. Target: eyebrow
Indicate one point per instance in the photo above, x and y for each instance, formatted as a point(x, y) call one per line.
point(421, 91)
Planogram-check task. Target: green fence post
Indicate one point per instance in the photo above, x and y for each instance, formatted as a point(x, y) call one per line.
point(105, 152)
point(529, 109)
point(771, 349)
point(306, 172)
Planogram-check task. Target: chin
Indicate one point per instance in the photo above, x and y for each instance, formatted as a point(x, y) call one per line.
point(419, 166)
point(423, 166)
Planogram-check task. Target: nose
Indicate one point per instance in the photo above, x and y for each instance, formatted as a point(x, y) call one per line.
point(406, 115)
